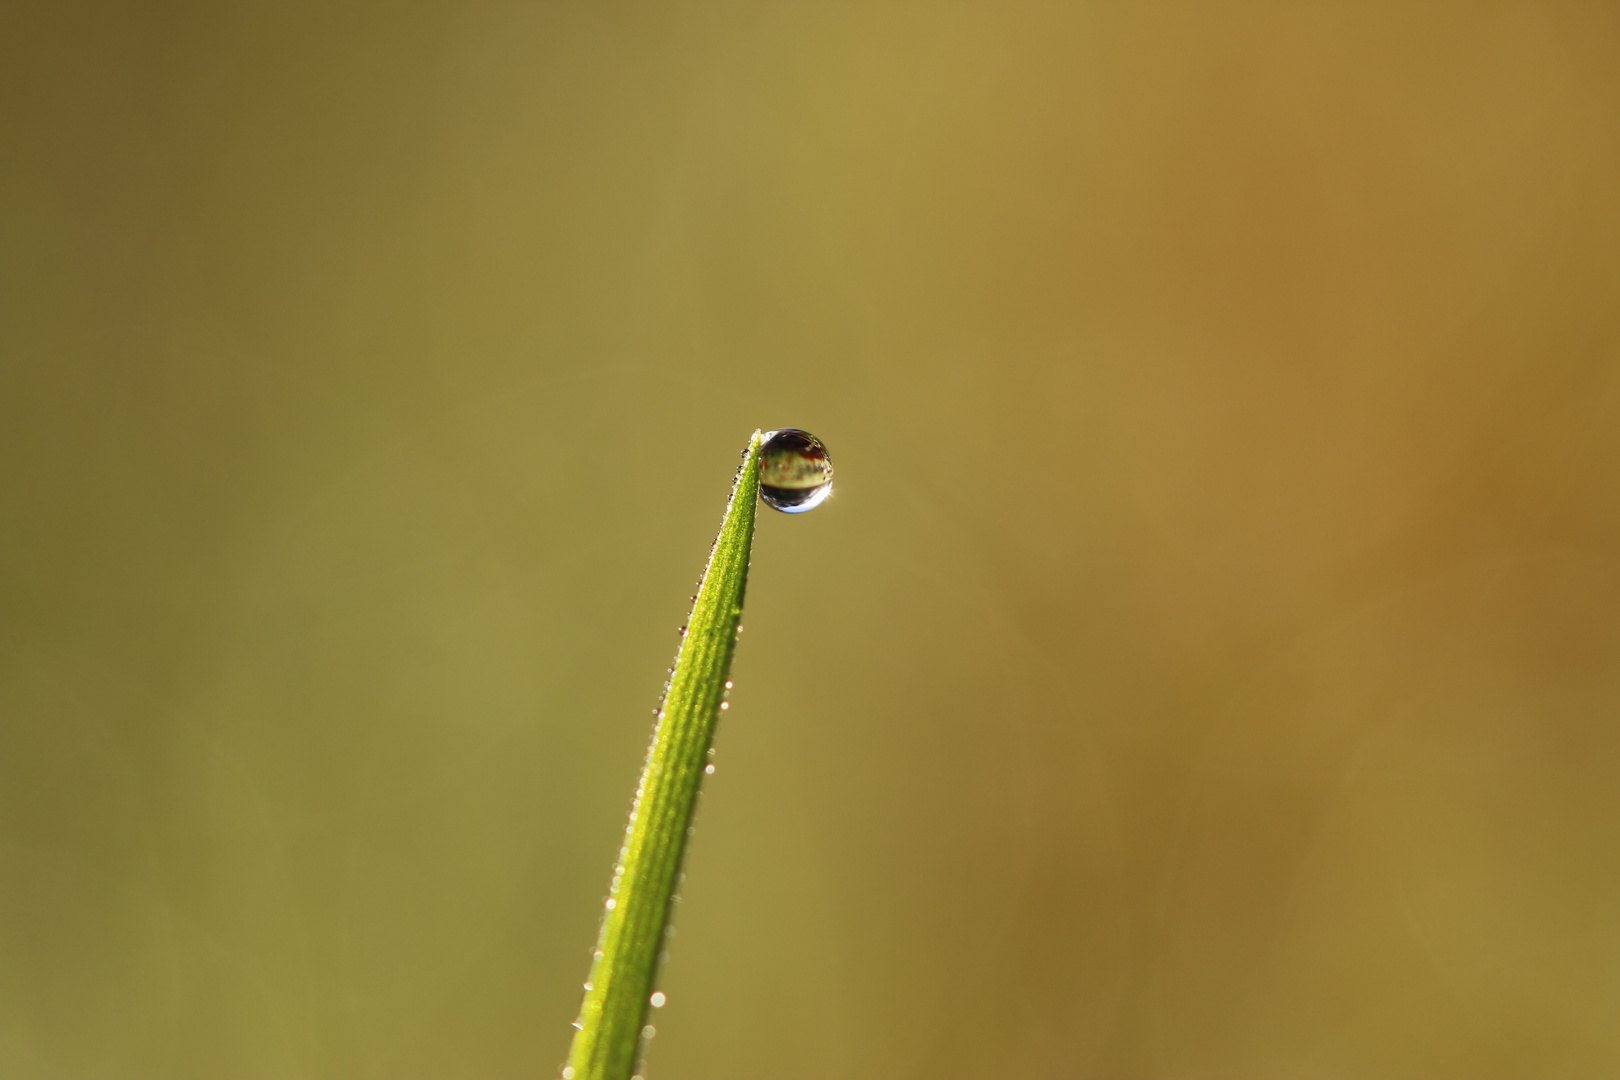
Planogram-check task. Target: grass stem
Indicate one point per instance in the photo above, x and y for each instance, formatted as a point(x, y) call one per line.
point(624, 970)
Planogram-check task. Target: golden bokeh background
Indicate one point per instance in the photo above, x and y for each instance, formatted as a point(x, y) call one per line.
point(1208, 667)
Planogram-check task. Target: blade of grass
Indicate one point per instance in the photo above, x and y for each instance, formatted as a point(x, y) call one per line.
point(625, 965)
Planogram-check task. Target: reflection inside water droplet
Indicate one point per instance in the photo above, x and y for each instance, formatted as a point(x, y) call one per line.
point(795, 473)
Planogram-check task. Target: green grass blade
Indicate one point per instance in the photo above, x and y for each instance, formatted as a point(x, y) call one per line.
point(625, 968)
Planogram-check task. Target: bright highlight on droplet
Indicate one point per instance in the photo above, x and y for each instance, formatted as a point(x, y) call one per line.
point(657, 1000)
point(795, 473)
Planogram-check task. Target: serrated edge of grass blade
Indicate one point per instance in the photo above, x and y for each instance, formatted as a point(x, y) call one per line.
point(624, 969)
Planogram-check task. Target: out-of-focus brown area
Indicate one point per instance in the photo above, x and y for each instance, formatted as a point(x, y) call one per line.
point(1209, 665)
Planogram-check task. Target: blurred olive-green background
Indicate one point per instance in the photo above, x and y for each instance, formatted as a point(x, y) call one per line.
point(1208, 667)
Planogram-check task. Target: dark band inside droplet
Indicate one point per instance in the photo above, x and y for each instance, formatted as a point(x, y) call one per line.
point(790, 440)
point(781, 497)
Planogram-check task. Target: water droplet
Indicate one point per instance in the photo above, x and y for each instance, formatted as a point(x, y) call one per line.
point(709, 769)
point(725, 705)
point(657, 1000)
point(795, 473)
point(568, 1073)
point(648, 1032)
point(728, 684)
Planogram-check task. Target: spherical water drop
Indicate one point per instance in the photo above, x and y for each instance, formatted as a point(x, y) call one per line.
point(795, 473)
point(657, 1000)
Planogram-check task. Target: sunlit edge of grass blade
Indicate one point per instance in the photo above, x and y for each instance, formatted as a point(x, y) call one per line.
point(624, 969)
